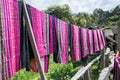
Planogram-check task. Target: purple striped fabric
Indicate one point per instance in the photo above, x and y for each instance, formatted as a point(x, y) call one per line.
point(90, 42)
point(51, 34)
point(63, 48)
point(103, 37)
point(117, 68)
point(76, 53)
point(39, 30)
point(3, 72)
point(84, 38)
point(11, 25)
point(100, 39)
point(40, 26)
point(55, 39)
point(96, 41)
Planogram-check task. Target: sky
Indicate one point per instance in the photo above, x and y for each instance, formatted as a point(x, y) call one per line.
point(76, 6)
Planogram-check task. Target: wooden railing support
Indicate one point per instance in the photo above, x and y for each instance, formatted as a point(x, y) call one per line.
point(102, 61)
point(107, 60)
point(86, 76)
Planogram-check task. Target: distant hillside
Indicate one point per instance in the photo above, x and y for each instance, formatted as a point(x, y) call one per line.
point(109, 18)
point(99, 18)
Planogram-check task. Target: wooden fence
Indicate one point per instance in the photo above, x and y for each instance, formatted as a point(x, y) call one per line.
point(84, 72)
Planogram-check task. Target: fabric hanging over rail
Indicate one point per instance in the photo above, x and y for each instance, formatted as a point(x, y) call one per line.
point(62, 42)
point(10, 23)
point(55, 39)
point(52, 36)
point(100, 39)
point(117, 68)
point(3, 72)
point(60, 32)
point(84, 42)
point(25, 46)
point(90, 42)
point(40, 26)
point(76, 49)
point(96, 41)
point(103, 37)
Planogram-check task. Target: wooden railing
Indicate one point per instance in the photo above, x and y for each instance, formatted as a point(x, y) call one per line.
point(84, 73)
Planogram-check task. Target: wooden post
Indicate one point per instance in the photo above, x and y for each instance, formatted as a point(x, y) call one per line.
point(86, 76)
point(107, 60)
point(116, 45)
point(118, 30)
point(33, 43)
point(102, 65)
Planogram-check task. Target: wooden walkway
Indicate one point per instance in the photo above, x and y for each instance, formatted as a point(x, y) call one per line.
point(105, 73)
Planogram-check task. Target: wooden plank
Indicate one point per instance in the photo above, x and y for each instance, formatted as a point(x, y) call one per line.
point(33, 43)
point(84, 69)
point(104, 75)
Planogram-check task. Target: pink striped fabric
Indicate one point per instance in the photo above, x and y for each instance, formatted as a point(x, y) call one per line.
point(40, 26)
point(84, 38)
point(103, 37)
point(96, 41)
point(90, 42)
point(51, 34)
point(64, 42)
point(100, 39)
point(117, 68)
point(39, 30)
point(76, 52)
point(3, 72)
point(12, 36)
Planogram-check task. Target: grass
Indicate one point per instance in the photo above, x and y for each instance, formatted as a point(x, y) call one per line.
point(57, 72)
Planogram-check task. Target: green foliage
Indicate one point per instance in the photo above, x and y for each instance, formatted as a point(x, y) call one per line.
point(24, 75)
point(99, 17)
point(95, 71)
point(61, 12)
point(62, 71)
point(58, 71)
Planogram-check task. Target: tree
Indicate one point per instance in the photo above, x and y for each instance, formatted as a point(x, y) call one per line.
point(99, 18)
point(61, 12)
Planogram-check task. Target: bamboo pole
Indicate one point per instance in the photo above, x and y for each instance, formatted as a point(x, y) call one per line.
point(32, 40)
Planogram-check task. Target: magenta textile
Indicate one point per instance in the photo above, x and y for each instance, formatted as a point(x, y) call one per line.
point(51, 34)
point(11, 25)
point(96, 41)
point(40, 26)
point(84, 38)
point(39, 30)
point(76, 53)
point(103, 37)
point(100, 39)
point(117, 68)
point(64, 42)
point(90, 42)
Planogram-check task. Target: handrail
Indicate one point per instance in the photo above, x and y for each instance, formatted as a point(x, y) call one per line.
point(84, 69)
